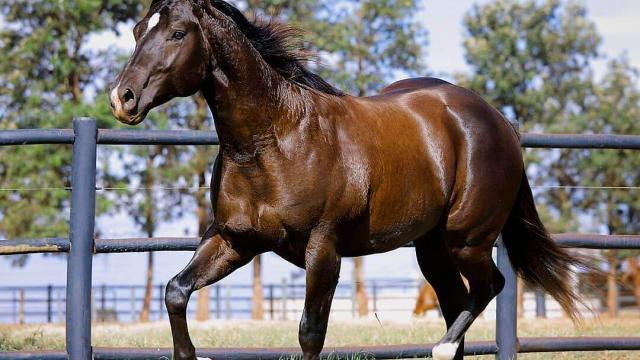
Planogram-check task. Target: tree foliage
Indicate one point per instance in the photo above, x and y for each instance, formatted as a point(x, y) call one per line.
point(370, 43)
point(533, 60)
point(48, 75)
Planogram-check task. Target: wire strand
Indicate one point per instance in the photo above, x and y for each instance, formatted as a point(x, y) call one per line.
point(162, 188)
point(99, 188)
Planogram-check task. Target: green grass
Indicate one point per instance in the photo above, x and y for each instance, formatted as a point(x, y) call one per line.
point(284, 334)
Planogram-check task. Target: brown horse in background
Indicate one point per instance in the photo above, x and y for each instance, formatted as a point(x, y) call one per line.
point(315, 175)
point(427, 300)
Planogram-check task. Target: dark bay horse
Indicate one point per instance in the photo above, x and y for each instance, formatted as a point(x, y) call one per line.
point(315, 175)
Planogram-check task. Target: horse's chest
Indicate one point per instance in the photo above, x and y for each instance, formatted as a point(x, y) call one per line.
point(250, 220)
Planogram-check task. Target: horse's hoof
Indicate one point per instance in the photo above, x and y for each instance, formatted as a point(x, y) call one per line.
point(446, 351)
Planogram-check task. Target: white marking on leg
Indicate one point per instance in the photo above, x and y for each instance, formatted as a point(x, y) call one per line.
point(199, 358)
point(445, 351)
point(153, 21)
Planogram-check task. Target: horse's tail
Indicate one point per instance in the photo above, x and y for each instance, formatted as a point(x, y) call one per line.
point(535, 256)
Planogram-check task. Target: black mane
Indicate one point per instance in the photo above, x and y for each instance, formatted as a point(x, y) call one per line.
point(280, 47)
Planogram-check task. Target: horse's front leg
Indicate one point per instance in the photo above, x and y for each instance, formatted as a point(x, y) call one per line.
point(323, 269)
point(213, 261)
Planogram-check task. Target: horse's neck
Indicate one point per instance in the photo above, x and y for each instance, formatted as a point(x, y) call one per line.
point(244, 95)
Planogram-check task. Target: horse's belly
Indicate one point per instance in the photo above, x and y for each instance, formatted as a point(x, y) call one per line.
point(395, 225)
point(391, 224)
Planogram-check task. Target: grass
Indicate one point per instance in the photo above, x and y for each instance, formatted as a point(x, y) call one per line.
point(284, 334)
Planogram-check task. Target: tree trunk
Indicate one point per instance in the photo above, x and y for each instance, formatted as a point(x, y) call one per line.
point(362, 299)
point(612, 285)
point(148, 291)
point(198, 122)
point(202, 312)
point(634, 272)
point(150, 227)
point(257, 311)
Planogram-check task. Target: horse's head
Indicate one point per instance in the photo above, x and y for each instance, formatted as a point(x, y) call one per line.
point(170, 59)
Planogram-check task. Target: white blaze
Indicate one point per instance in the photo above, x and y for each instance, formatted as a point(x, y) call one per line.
point(153, 21)
point(115, 99)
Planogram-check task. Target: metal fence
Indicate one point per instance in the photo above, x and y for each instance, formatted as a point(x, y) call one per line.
point(81, 246)
point(281, 301)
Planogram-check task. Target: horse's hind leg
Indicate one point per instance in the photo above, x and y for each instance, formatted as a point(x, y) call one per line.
point(443, 275)
point(485, 282)
point(214, 260)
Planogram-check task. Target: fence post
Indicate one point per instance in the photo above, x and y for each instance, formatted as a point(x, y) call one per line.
point(83, 206)
point(375, 296)
point(284, 298)
point(49, 303)
point(541, 304)
point(103, 303)
point(21, 315)
point(161, 301)
point(218, 303)
point(506, 309)
point(14, 305)
point(227, 302)
point(132, 304)
point(271, 309)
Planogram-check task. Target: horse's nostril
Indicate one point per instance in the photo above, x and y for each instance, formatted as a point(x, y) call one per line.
point(128, 95)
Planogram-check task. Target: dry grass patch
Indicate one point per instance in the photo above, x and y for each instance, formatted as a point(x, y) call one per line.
point(284, 334)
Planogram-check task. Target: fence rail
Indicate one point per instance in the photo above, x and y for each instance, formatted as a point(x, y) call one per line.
point(81, 246)
point(123, 303)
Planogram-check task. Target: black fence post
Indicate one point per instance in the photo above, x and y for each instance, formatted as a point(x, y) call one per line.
point(161, 301)
point(507, 309)
point(541, 304)
point(103, 303)
point(49, 303)
point(375, 296)
point(271, 300)
point(218, 303)
point(83, 201)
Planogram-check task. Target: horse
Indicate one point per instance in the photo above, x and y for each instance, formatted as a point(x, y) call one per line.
point(315, 175)
point(427, 300)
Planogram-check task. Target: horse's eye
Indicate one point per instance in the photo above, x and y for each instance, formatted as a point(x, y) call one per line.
point(178, 35)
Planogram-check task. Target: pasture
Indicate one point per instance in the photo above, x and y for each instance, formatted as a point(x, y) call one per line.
point(341, 333)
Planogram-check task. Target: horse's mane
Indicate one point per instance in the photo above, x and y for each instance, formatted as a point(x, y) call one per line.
point(280, 46)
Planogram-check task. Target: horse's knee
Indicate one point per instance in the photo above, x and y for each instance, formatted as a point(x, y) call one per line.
point(176, 296)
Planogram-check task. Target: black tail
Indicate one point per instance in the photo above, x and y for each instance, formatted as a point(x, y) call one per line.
point(535, 256)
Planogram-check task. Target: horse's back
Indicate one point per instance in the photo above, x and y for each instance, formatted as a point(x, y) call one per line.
point(413, 84)
point(434, 150)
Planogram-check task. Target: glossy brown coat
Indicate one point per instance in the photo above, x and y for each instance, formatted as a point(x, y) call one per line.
point(315, 175)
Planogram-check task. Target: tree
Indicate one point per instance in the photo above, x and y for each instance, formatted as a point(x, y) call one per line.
point(370, 43)
point(614, 108)
point(198, 169)
point(530, 59)
point(533, 61)
point(47, 74)
point(149, 174)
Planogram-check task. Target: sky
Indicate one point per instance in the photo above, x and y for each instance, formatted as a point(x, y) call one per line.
point(617, 21)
